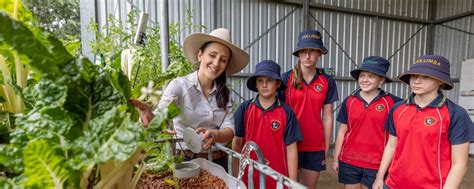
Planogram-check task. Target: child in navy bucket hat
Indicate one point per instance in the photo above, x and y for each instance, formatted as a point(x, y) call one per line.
point(311, 93)
point(310, 39)
point(361, 133)
point(373, 64)
point(429, 135)
point(433, 66)
point(270, 123)
point(266, 68)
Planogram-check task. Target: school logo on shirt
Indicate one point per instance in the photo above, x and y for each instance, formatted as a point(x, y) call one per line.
point(379, 107)
point(275, 124)
point(318, 88)
point(429, 121)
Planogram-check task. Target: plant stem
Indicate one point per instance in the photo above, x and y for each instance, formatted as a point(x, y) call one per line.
point(138, 175)
point(113, 176)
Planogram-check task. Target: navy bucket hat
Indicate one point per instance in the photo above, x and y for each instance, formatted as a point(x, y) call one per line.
point(434, 66)
point(266, 68)
point(310, 39)
point(373, 64)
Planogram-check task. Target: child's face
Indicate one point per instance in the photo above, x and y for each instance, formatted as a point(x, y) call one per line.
point(421, 84)
point(267, 87)
point(308, 57)
point(369, 81)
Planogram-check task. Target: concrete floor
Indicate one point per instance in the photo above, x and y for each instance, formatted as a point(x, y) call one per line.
point(328, 179)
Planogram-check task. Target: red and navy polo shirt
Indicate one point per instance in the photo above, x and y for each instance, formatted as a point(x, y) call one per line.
point(423, 154)
point(365, 138)
point(271, 129)
point(307, 103)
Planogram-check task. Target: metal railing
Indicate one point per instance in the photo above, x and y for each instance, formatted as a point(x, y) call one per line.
point(260, 166)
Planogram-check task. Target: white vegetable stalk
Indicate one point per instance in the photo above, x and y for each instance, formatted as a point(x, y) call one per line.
point(127, 62)
point(14, 103)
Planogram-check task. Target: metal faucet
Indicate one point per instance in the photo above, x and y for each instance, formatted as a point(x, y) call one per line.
point(246, 150)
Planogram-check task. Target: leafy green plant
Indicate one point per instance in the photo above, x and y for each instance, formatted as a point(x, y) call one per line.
point(114, 38)
point(78, 132)
point(58, 17)
point(13, 73)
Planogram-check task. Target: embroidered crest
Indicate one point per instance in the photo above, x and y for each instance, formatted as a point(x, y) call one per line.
point(275, 124)
point(379, 107)
point(429, 121)
point(318, 88)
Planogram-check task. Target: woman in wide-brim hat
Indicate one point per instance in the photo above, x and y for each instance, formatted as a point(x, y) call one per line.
point(311, 93)
point(202, 96)
point(429, 135)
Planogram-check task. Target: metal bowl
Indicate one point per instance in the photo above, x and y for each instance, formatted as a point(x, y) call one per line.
point(186, 169)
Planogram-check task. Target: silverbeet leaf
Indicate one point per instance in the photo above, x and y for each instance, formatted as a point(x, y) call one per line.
point(44, 168)
point(112, 136)
point(45, 55)
point(78, 117)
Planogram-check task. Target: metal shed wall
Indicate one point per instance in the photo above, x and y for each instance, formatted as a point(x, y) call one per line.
point(406, 8)
point(351, 30)
point(447, 8)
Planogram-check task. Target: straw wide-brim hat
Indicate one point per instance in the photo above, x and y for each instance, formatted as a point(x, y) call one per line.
point(238, 60)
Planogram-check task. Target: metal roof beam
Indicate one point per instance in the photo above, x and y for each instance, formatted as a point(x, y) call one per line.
point(431, 20)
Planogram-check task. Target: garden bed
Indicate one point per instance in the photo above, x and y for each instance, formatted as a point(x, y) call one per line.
point(165, 180)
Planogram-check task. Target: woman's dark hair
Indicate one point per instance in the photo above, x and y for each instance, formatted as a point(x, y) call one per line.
point(223, 93)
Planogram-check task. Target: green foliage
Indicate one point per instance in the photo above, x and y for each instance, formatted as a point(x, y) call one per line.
point(43, 166)
point(78, 123)
point(4, 127)
point(79, 116)
point(13, 71)
point(58, 17)
point(22, 14)
point(162, 116)
point(114, 38)
point(73, 45)
point(111, 136)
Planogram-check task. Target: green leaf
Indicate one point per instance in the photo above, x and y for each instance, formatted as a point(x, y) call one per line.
point(173, 111)
point(8, 183)
point(112, 136)
point(158, 123)
point(92, 90)
point(5, 126)
point(8, 6)
point(53, 123)
point(73, 46)
point(51, 93)
point(18, 36)
point(12, 158)
point(2, 82)
point(47, 56)
point(44, 168)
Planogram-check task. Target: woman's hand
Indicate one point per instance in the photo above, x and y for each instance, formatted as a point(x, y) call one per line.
point(146, 114)
point(378, 184)
point(209, 137)
point(335, 167)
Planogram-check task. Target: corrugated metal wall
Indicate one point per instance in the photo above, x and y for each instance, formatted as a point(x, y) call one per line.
point(454, 39)
point(407, 8)
point(269, 29)
point(447, 8)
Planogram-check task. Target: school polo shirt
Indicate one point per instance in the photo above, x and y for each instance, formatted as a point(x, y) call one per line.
point(196, 110)
point(308, 103)
point(365, 138)
point(271, 129)
point(422, 157)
